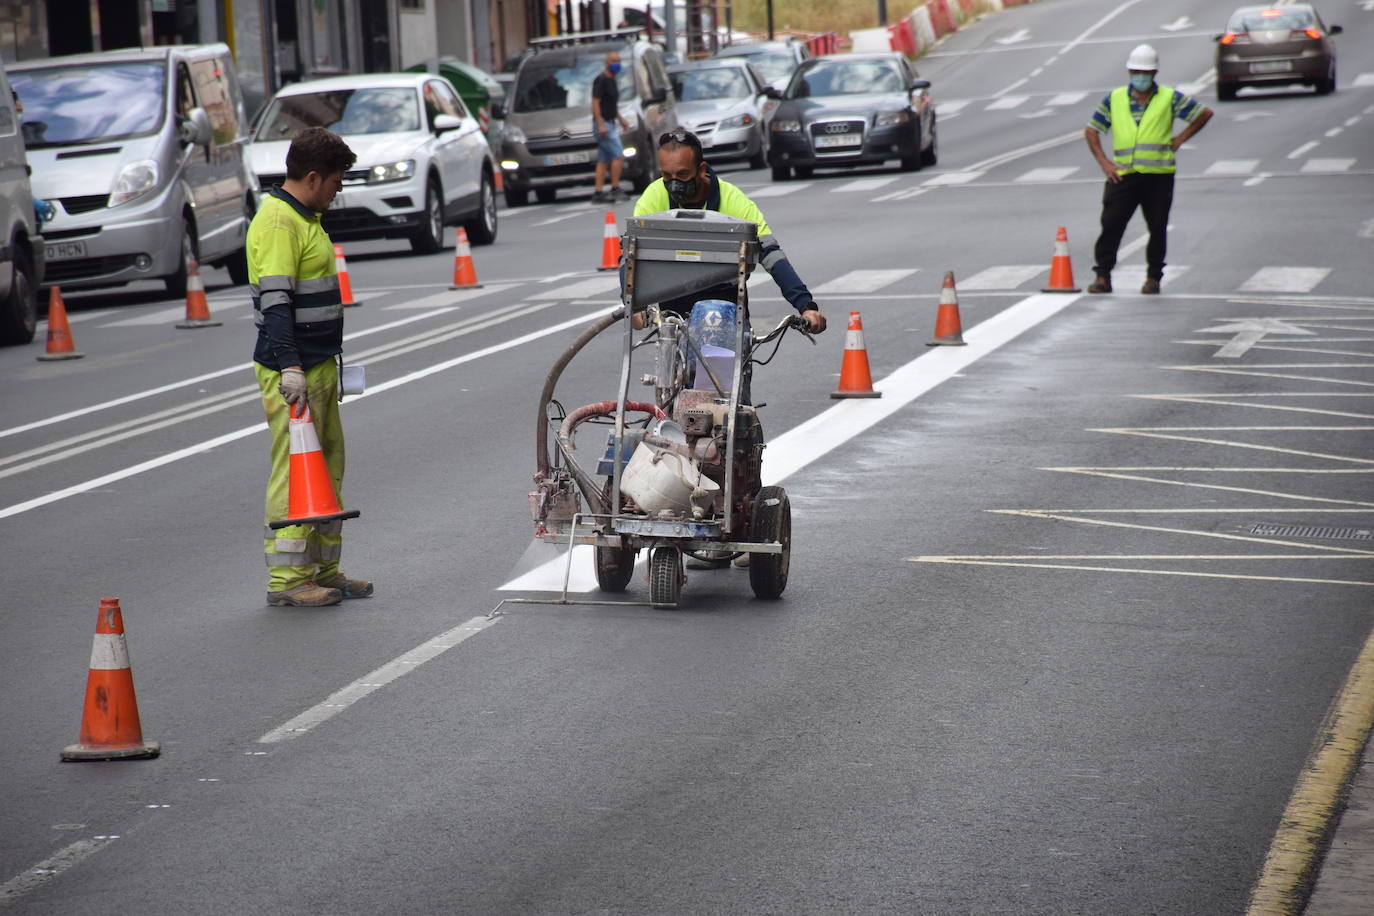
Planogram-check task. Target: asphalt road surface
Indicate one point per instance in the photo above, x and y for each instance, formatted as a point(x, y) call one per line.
point(1067, 605)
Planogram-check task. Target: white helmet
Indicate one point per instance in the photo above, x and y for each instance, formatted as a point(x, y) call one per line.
point(1143, 57)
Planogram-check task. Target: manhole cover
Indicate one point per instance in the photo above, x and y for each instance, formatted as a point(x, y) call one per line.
point(1311, 531)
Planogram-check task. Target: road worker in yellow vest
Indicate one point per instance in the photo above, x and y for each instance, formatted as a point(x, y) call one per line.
point(299, 315)
point(1139, 119)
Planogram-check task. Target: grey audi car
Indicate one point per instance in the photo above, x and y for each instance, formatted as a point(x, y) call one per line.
point(846, 110)
point(1275, 46)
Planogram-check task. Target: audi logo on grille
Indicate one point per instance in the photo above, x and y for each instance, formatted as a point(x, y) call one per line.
point(837, 128)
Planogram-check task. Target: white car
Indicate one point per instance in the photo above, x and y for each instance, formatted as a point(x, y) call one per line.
point(423, 161)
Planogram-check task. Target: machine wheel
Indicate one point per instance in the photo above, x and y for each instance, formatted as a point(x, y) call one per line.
point(545, 195)
point(782, 172)
point(517, 197)
point(772, 521)
point(482, 227)
point(176, 282)
point(665, 577)
point(931, 154)
point(19, 312)
point(615, 566)
point(429, 238)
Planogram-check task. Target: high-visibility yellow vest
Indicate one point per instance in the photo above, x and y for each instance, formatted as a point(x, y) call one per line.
point(1146, 147)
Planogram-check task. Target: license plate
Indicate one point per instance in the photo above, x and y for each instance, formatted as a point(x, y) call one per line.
point(1271, 66)
point(60, 251)
point(830, 141)
point(568, 158)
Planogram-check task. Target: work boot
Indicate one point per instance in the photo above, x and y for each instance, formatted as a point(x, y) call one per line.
point(618, 195)
point(1101, 285)
point(350, 588)
point(599, 197)
point(742, 561)
point(716, 559)
point(1151, 287)
point(307, 594)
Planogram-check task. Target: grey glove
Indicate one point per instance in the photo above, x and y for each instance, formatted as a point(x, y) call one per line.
point(293, 387)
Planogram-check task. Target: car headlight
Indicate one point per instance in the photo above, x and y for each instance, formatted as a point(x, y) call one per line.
point(889, 118)
point(628, 151)
point(391, 171)
point(786, 127)
point(134, 180)
point(513, 133)
point(738, 121)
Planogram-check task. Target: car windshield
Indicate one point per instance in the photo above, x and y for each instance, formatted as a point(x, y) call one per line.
point(717, 83)
point(773, 65)
point(344, 111)
point(90, 104)
point(1260, 19)
point(546, 85)
point(844, 77)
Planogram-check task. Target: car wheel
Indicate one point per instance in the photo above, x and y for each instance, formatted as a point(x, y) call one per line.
point(641, 179)
point(1328, 85)
point(429, 237)
point(931, 154)
point(1226, 93)
point(804, 171)
point(237, 263)
point(176, 282)
point(517, 197)
point(781, 173)
point(545, 195)
point(482, 227)
point(19, 311)
point(760, 159)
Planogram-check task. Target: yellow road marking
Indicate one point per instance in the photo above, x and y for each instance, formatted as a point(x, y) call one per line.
point(1290, 867)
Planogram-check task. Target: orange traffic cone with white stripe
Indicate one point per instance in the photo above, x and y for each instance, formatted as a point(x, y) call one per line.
point(1061, 269)
point(110, 729)
point(60, 344)
point(855, 379)
point(610, 244)
point(311, 496)
point(464, 271)
point(197, 307)
point(948, 331)
point(345, 285)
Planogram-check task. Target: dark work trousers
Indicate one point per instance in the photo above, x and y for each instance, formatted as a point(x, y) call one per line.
point(1153, 194)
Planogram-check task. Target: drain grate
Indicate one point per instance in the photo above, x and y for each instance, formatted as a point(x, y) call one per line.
point(1311, 531)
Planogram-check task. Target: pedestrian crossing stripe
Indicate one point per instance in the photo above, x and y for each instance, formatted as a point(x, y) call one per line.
point(779, 190)
point(1067, 98)
point(1047, 174)
point(1232, 167)
point(949, 178)
point(1006, 276)
point(583, 289)
point(1007, 102)
point(865, 184)
point(1327, 165)
point(862, 281)
point(1285, 279)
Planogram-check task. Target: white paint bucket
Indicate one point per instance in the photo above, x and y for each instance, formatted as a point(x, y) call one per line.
point(658, 480)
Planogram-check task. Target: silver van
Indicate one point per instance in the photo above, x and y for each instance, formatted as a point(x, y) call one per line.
point(141, 152)
point(21, 247)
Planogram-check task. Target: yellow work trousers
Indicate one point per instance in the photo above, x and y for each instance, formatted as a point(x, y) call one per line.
point(301, 553)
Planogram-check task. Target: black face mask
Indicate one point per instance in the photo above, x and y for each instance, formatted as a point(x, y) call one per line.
point(680, 192)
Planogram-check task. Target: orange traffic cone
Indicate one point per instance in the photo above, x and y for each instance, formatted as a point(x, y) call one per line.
point(499, 181)
point(855, 380)
point(948, 331)
point(197, 307)
point(345, 286)
point(610, 244)
point(109, 724)
point(312, 498)
point(1061, 270)
point(60, 344)
point(464, 271)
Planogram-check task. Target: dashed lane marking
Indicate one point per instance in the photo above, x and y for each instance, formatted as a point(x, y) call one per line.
point(864, 184)
point(66, 857)
point(1327, 165)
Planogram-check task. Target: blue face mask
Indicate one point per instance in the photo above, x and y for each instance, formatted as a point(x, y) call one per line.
point(614, 68)
point(1141, 82)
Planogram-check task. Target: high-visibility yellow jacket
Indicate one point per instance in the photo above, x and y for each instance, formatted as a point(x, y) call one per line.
point(295, 285)
point(1146, 147)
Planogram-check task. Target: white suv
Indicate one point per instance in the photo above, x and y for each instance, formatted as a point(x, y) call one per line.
point(423, 161)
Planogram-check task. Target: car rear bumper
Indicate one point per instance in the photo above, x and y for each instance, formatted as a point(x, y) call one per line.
point(1299, 70)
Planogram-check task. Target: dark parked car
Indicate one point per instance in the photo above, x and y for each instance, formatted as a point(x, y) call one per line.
point(1274, 46)
point(853, 109)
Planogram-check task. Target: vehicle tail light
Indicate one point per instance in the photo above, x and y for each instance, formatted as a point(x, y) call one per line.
point(1312, 33)
point(1228, 38)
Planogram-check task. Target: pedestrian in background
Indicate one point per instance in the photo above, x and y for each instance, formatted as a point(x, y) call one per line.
point(1140, 172)
point(299, 314)
point(605, 115)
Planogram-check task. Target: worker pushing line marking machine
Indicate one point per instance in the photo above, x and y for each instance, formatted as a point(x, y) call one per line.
point(681, 474)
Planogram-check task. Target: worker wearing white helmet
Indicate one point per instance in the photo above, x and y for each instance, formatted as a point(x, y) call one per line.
point(1140, 170)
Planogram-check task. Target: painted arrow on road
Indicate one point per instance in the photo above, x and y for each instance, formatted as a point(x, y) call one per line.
point(1248, 333)
point(1178, 25)
point(1016, 37)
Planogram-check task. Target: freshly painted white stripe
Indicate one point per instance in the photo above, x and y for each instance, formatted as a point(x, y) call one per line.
point(1232, 167)
point(1304, 149)
point(1364, 79)
point(1285, 279)
point(211, 444)
point(1257, 179)
point(54, 865)
point(548, 576)
point(581, 289)
point(1007, 102)
point(1047, 174)
point(1067, 98)
point(1327, 165)
point(949, 178)
point(109, 652)
point(1006, 276)
point(1334, 132)
point(375, 680)
point(863, 281)
point(865, 184)
point(781, 189)
point(567, 216)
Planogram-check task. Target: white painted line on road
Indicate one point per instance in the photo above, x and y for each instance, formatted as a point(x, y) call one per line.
point(1251, 399)
point(1134, 274)
point(864, 184)
point(863, 281)
point(1319, 550)
point(1046, 174)
point(340, 700)
point(973, 561)
point(1232, 167)
point(567, 216)
point(169, 316)
point(1258, 179)
point(1006, 276)
point(1067, 98)
point(1326, 166)
point(582, 289)
point(950, 107)
point(1146, 433)
point(951, 178)
point(1335, 132)
point(33, 878)
point(1364, 79)
point(779, 190)
point(1251, 491)
point(450, 297)
point(1304, 149)
point(1007, 102)
point(1285, 279)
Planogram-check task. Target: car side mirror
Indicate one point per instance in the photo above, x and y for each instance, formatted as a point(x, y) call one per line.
point(1334, 30)
point(1216, 38)
point(195, 128)
point(772, 92)
point(498, 110)
point(445, 122)
point(919, 84)
point(657, 97)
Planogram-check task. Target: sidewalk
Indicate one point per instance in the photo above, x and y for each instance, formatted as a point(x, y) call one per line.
point(1345, 884)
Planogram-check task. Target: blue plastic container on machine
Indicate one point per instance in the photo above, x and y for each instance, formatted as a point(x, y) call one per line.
point(712, 327)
